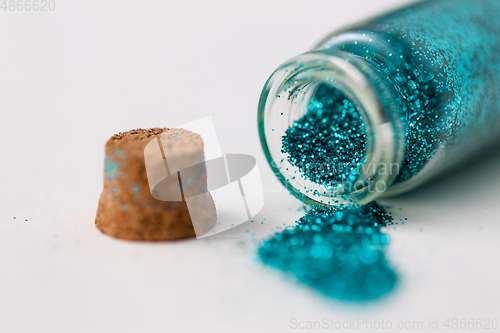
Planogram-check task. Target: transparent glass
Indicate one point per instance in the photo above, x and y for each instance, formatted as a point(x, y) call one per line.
point(425, 80)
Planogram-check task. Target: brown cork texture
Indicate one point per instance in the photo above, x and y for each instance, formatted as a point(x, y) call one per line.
point(126, 208)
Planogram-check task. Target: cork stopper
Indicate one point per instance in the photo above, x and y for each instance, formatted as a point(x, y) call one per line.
point(128, 210)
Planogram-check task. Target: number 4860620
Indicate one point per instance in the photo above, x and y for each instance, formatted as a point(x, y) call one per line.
point(28, 5)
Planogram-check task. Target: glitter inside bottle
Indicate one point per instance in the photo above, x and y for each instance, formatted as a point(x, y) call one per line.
point(384, 105)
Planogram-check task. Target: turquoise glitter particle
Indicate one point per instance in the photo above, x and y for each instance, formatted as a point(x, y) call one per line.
point(343, 259)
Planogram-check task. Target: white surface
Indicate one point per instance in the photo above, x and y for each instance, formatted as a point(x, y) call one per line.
point(71, 78)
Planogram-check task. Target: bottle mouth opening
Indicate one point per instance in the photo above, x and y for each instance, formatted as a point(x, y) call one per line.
point(289, 106)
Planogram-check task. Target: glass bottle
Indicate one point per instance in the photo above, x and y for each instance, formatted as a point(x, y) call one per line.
point(425, 80)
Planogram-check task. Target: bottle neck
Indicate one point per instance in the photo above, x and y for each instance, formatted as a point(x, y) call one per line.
point(286, 98)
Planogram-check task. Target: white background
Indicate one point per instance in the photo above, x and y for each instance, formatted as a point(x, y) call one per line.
point(71, 78)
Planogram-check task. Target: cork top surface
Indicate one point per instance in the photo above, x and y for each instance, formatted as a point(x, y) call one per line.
point(175, 141)
point(138, 134)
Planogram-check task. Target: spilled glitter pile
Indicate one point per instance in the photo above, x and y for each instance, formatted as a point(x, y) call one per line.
point(331, 131)
point(338, 252)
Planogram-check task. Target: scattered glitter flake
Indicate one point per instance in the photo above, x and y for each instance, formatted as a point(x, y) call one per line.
point(342, 256)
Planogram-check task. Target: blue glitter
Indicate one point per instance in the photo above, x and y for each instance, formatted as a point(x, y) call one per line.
point(439, 64)
point(331, 132)
point(339, 253)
